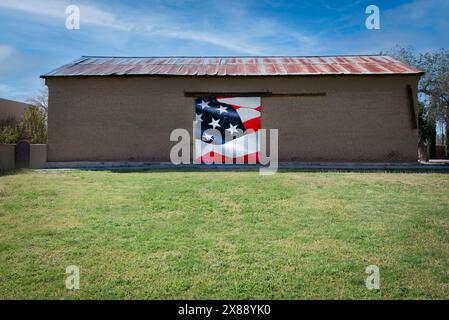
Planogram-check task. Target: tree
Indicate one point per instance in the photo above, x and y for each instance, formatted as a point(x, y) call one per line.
point(433, 88)
point(40, 101)
point(33, 126)
point(427, 129)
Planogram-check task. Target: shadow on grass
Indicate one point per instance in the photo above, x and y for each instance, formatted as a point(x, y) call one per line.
point(14, 172)
point(256, 169)
point(235, 168)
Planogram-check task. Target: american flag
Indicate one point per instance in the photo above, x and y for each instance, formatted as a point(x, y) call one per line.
point(226, 129)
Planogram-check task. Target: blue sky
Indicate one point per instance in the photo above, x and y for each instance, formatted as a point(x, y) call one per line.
point(34, 39)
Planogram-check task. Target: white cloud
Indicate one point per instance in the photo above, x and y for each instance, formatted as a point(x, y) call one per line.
point(9, 92)
point(56, 9)
point(420, 13)
point(5, 53)
point(420, 24)
point(212, 38)
point(238, 27)
point(239, 31)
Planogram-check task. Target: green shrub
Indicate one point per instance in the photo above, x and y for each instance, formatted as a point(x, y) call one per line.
point(9, 134)
point(33, 126)
point(9, 130)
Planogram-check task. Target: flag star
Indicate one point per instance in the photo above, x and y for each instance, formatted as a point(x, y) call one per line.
point(232, 129)
point(198, 118)
point(207, 137)
point(222, 109)
point(204, 104)
point(214, 123)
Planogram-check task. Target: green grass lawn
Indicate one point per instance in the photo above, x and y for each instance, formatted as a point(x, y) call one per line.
point(223, 235)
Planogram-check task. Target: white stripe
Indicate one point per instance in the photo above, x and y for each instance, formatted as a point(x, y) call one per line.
point(244, 102)
point(239, 147)
point(247, 114)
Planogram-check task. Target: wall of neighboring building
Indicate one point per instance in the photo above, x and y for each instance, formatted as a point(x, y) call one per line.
point(7, 156)
point(362, 118)
point(12, 108)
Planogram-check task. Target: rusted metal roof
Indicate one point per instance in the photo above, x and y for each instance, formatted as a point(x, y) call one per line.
point(233, 66)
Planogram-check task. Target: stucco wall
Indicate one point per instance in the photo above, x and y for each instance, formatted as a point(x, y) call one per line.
point(38, 156)
point(362, 118)
point(12, 108)
point(7, 156)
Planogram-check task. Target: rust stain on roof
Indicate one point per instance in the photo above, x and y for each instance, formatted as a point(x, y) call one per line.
point(232, 66)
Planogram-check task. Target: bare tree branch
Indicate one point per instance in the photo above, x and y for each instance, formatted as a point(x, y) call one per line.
point(40, 101)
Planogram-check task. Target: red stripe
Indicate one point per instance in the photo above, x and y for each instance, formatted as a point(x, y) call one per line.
point(216, 158)
point(223, 98)
point(259, 108)
point(253, 123)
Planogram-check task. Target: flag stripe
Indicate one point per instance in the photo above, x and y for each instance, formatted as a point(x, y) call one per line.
point(245, 102)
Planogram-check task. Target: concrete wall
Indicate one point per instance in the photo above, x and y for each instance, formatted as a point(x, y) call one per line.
point(362, 118)
point(12, 108)
point(38, 156)
point(7, 156)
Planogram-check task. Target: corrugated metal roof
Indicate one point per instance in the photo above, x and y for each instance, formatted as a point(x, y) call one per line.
point(233, 66)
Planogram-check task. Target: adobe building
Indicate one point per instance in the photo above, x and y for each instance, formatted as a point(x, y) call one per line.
point(11, 108)
point(328, 109)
